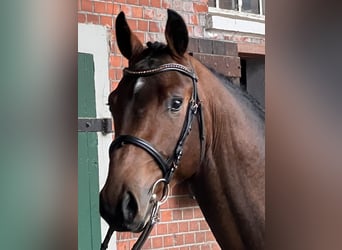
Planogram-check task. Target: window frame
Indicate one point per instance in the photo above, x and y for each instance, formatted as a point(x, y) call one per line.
point(217, 3)
point(236, 20)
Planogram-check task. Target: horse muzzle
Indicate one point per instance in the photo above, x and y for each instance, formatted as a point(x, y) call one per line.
point(125, 214)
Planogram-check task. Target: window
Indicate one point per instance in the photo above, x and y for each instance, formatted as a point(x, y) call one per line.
point(244, 16)
point(243, 6)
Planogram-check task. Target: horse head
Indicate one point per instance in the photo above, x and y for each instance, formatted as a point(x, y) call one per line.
point(151, 108)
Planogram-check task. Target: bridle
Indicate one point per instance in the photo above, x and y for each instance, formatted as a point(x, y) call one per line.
point(167, 166)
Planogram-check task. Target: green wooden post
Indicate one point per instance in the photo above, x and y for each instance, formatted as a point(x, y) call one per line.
point(89, 235)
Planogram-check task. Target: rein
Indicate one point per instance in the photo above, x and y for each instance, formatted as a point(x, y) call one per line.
point(167, 166)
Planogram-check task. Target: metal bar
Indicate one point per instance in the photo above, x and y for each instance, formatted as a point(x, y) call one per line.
point(103, 125)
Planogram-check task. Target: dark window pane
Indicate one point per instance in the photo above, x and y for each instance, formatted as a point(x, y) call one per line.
point(250, 6)
point(263, 7)
point(229, 4)
point(212, 3)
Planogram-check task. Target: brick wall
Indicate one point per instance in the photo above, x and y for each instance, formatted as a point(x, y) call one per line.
point(182, 225)
point(219, 55)
point(146, 18)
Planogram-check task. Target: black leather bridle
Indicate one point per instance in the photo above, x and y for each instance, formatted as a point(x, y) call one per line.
point(167, 166)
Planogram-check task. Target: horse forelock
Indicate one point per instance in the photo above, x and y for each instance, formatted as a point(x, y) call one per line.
point(152, 56)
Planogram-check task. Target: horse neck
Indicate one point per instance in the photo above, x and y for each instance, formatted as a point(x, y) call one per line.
point(230, 183)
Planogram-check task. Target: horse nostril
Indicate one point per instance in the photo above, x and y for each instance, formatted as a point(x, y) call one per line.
point(129, 207)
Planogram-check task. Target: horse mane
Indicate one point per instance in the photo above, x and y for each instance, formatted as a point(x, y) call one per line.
point(243, 95)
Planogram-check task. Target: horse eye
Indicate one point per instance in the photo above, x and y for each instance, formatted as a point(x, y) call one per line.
point(176, 103)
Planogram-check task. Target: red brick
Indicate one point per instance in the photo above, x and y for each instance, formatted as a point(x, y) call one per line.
point(114, 85)
point(154, 231)
point(215, 247)
point(166, 4)
point(106, 20)
point(205, 247)
point(194, 19)
point(189, 238)
point(166, 215)
point(183, 226)
point(200, 7)
point(124, 235)
point(188, 213)
point(161, 229)
point(81, 18)
point(114, 45)
point(131, 243)
point(166, 204)
point(204, 225)
point(209, 236)
point(198, 213)
point(200, 237)
point(112, 74)
point(115, 61)
point(154, 26)
point(135, 235)
point(100, 7)
point(127, 9)
point(184, 248)
point(190, 30)
point(168, 241)
point(156, 3)
point(148, 13)
point(194, 225)
point(137, 12)
point(177, 215)
point(119, 74)
point(132, 1)
point(148, 244)
point(87, 5)
point(172, 228)
point(122, 245)
point(93, 18)
point(133, 24)
point(179, 239)
point(124, 64)
point(112, 9)
point(156, 242)
point(144, 2)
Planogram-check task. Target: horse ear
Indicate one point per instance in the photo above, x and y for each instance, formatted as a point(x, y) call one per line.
point(176, 33)
point(128, 43)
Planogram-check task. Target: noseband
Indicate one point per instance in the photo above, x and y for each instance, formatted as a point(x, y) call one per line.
point(167, 166)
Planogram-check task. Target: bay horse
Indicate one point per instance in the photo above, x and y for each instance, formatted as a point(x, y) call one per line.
point(175, 121)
